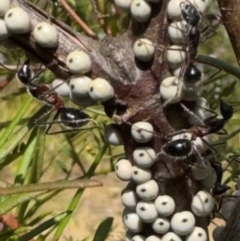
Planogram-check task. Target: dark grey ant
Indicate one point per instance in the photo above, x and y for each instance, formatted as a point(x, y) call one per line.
point(70, 118)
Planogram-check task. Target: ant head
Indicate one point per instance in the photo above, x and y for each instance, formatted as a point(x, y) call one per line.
point(192, 75)
point(226, 110)
point(24, 74)
point(220, 189)
point(178, 148)
point(189, 13)
point(216, 125)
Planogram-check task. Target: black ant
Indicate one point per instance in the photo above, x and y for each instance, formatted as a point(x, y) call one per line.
point(218, 188)
point(184, 146)
point(69, 117)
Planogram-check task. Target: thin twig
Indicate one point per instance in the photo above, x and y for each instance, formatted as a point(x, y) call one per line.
point(77, 19)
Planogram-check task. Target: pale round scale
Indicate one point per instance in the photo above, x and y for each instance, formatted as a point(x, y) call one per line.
point(61, 87)
point(4, 7)
point(123, 4)
point(141, 10)
point(141, 175)
point(144, 156)
point(183, 223)
point(161, 225)
point(201, 5)
point(217, 232)
point(129, 198)
point(168, 88)
point(165, 205)
point(80, 86)
point(46, 35)
point(138, 238)
point(209, 181)
point(17, 21)
point(123, 170)
point(202, 204)
point(173, 10)
point(201, 173)
point(147, 191)
point(171, 236)
point(82, 101)
point(113, 135)
point(78, 62)
point(175, 56)
point(146, 211)
point(4, 33)
point(143, 49)
point(177, 32)
point(132, 221)
point(142, 131)
point(100, 90)
point(153, 238)
point(198, 234)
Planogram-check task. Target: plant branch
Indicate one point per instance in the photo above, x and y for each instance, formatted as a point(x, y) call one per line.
point(78, 19)
point(230, 10)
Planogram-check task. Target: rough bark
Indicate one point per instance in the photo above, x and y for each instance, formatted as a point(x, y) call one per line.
point(135, 84)
point(230, 10)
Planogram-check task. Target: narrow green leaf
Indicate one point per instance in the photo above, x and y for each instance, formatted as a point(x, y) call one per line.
point(24, 165)
point(8, 131)
point(39, 156)
point(103, 229)
point(220, 64)
point(14, 201)
point(50, 186)
point(9, 145)
point(44, 226)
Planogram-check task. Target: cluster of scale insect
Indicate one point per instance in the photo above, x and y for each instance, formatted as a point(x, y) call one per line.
point(80, 88)
point(185, 30)
point(143, 204)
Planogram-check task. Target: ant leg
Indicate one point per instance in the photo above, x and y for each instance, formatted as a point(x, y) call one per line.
point(234, 159)
point(214, 151)
point(202, 160)
point(191, 113)
point(37, 121)
point(50, 125)
point(69, 130)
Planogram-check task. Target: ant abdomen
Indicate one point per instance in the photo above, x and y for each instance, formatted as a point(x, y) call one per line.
point(178, 148)
point(73, 118)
